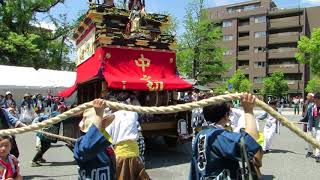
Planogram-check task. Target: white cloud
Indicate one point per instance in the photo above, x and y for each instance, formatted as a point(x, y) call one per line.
point(311, 2)
point(46, 25)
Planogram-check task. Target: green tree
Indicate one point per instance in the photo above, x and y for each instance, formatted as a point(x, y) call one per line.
point(313, 86)
point(309, 51)
point(220, 89)
point(24, 43)
point(199, 55)
point(275, 85)
point(239, 82)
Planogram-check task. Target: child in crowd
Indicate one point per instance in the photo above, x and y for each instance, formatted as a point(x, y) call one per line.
point(9, 165)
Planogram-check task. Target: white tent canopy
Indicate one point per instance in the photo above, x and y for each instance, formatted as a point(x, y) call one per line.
point(21, 80)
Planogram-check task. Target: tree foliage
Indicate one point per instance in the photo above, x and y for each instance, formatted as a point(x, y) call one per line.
point(313, 86)
point(275, 85)
point(309, 51)
point(24, 43)
point(199, 55)
point(220, 89)
point(239, 82)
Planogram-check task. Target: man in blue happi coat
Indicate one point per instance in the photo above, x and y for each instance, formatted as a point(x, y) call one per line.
point(217, 152)
point(93, 151)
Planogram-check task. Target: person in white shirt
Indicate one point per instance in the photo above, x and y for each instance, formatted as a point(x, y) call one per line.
point(270, 128)
point(124, 131)
point(237, 120)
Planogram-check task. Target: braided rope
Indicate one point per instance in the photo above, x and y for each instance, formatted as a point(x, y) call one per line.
point(46, 123)
point(174, 108)
point(290, 125)
point(62, 138)
point(165, 110)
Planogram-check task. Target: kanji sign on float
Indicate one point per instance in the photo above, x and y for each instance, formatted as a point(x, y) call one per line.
point(141, 69)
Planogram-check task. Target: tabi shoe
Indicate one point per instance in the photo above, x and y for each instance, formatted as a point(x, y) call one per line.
point(35, 164)
point(318, 159)
point(309, 154)
point(266, 151)
point(41, 160)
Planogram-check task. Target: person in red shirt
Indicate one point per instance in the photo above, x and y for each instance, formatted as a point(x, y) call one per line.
point(9, 165)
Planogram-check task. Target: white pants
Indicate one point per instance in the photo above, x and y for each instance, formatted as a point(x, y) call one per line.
point(315, 133)
point(317, 152)
point(268, 133)
point(311, 133)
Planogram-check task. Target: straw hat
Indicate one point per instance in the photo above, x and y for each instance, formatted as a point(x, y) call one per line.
point(89, 117)
point(8, 92)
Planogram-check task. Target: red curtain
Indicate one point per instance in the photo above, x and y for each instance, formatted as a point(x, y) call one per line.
point(86, 71)
point(68, 92)
point(140, 69)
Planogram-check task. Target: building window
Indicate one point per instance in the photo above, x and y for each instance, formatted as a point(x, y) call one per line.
point(243, 8)
point(227, 52)
point(260, 19)
point(260, 49)
point(260, 34)
point(258, 79)
point(251, 7)
point(212, 16)
point(227, 37)
point(259, 64)
point(227, 23)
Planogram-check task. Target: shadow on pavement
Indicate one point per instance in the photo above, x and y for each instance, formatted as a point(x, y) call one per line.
point(274, 151)
point(268, 177)
point(158, 154)
point(70, 163)
point(57, 145)
point(46, 177)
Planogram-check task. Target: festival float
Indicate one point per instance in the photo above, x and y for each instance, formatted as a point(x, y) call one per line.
point(129, 49)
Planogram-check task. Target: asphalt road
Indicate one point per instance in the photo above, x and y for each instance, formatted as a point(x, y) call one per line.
point(285, 162)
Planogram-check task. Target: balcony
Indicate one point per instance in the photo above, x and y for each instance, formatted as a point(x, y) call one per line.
point(288, 37)
point(244, 13)
point(282, 53)
point(244, 27)
point(257, 85)
point(295, 84)
point(285, 68)
point(245, 69)
point(259, 56)
point(244, 41)
point(243, 55)
point(286, 22)
point(259, 71)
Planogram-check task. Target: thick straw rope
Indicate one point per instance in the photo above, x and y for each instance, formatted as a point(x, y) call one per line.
point(165, 110)
point(62, 138)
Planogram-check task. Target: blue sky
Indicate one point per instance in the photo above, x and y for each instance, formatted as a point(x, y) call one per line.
point(174, 7)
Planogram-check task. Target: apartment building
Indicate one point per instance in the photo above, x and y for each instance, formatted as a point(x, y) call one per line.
point(261, 38)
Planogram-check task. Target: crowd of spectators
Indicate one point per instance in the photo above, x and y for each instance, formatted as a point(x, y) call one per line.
point(31, 106)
